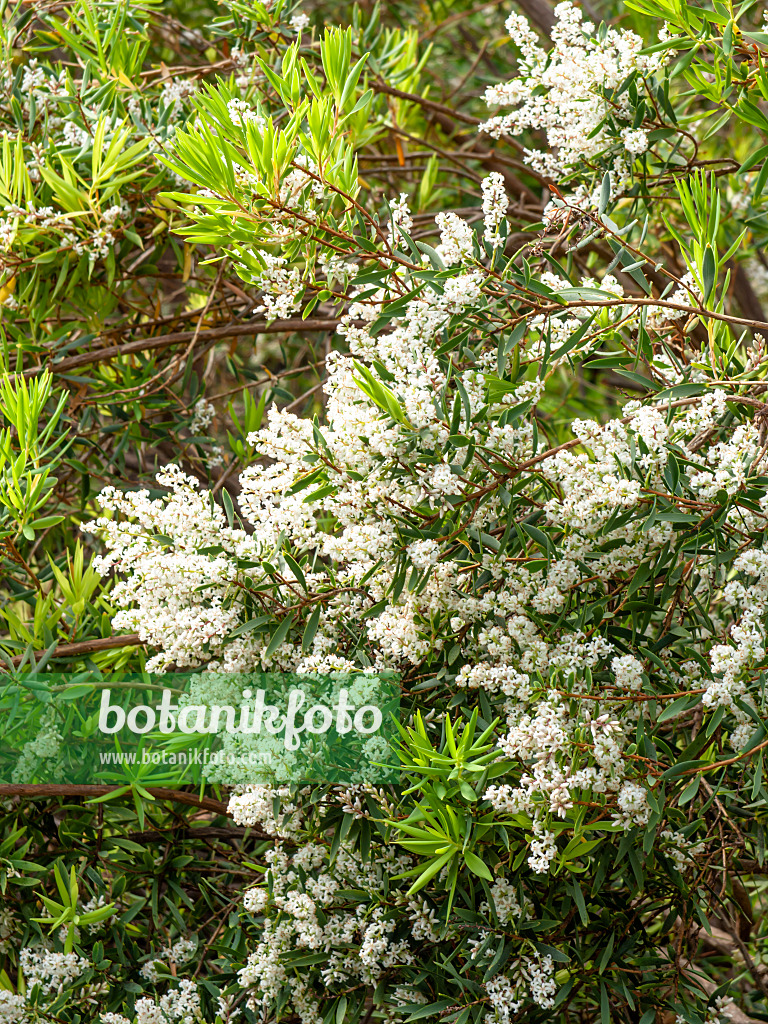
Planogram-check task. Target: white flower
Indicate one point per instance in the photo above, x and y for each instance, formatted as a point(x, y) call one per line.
point(299, 22)
point(635, 140)
point(562, 93)
point(495, 204)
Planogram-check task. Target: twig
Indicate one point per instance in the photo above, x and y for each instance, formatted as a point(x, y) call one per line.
point(179, 796)
point(87, 647)
point(180, 337)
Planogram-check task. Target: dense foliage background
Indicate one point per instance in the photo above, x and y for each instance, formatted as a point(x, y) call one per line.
point(423, 337)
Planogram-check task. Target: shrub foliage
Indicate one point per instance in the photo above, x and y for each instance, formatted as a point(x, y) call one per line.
point(423, 339)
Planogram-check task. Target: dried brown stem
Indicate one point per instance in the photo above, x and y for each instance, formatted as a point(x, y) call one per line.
point(181, 337)
point(75, 650)
point(33, 791)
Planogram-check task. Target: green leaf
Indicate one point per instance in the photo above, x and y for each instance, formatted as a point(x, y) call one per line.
point(605, 193)
point(279, 635)
point(680, 391)
point(295, 569)
point(578, 847)
point(689, 792)
point(541, 539)
point(557, 954)
point(250, 625)
point(709, 271)
point(341, 1009)
point(228, 507)
point(430, 1010)
point(585, 295)
point(677, 706)
point(681, 768)
point(430, 871)
point(310, 629)
point(477, 866)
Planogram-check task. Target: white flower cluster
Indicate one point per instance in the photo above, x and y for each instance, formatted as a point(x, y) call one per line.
point(531, 977)
point(298, 906)
point(400, 220)
point(45, 746)
point(281, 288)
point(175, 93)
point(254, 805)
point(242, 112)
point(495, 205)
point(456, 239)
point(680, 851)
point(178, 953)
point(299, 22)
point(563, 93)
point(50, 971)
point(161, 598)
point(13, 1008)
point(187, 603)
point(179, 1005)
point(202, 416)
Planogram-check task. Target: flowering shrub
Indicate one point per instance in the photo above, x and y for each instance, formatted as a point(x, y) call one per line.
point(512, 446)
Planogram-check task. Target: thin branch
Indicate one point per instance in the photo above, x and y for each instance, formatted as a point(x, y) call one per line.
point(181, 337)
point(75, 650)
point(179, 796)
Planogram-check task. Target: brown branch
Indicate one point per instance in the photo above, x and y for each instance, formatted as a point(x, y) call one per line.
point(684, 966)
point(639, 300)
point(445, 116)
point(157, 835)
point(32, 791)
point(106, 643)
point(182, 337)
